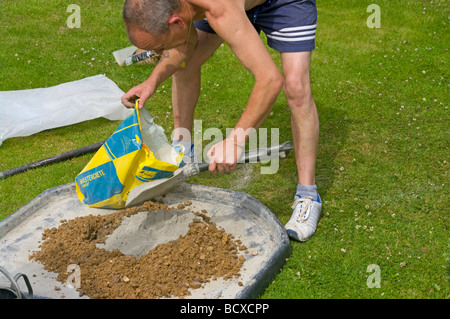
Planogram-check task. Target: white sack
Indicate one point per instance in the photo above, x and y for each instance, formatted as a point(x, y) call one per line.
point(26, 112)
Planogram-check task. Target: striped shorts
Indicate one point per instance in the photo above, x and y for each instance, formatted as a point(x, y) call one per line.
point(290, 25)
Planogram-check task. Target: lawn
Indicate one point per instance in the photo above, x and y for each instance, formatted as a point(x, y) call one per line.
point(382, 167)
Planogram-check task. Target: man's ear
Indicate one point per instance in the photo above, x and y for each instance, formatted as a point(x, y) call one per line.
point(176, 20)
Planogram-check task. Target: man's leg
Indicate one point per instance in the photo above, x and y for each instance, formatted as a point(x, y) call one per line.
point(305, 134)
point(186, 88)
point(304, 117)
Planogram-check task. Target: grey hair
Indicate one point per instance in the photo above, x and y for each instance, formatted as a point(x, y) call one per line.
point(150, 15)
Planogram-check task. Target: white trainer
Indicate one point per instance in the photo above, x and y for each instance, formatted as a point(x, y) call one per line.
point(303, 222)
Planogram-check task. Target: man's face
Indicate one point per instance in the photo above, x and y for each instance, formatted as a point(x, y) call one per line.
point(157, 42)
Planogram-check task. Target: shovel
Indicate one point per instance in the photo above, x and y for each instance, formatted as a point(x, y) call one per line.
point(152, 189)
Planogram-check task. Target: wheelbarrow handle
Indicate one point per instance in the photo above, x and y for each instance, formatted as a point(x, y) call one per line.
point(27, 282)
point(15, 285)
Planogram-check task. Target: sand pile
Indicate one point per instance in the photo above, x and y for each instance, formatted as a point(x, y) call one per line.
point(120, 256)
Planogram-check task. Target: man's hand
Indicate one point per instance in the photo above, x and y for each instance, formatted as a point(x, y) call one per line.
point(142, 91)
point(224, 156)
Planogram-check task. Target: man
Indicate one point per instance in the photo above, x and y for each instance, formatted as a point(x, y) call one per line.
point(187, 32)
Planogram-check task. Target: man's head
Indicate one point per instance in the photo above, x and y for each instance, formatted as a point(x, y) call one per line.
point(147, 22)
point(150, 15)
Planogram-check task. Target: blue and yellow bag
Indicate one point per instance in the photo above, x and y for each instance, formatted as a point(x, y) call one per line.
point(123, 162)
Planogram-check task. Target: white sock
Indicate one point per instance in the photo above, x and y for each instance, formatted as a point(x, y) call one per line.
point(307, 190)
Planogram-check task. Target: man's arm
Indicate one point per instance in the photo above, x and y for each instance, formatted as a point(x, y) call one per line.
point(168, 64)
point(230, 22)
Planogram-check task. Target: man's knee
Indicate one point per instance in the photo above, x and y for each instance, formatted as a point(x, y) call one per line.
point(297, 92)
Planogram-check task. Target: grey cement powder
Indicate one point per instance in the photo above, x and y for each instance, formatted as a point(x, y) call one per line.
point(140, 233)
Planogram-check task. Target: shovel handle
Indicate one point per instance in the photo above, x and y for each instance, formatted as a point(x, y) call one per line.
point(259, 155)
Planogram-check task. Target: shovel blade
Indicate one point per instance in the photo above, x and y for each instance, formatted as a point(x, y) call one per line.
point(153, 189)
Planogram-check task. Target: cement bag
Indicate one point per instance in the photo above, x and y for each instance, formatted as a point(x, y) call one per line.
point(26, 112)
point(137, 152)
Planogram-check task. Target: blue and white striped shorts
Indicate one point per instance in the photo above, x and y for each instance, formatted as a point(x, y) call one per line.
point(290, 25)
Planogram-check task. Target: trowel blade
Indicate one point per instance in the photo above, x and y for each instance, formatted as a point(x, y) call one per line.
point(122, 54)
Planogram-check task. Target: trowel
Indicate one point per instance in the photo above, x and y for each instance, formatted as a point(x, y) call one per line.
point(132, 54)
point(155, 188)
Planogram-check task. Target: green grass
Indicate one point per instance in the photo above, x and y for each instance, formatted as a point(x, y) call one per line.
point(382, 168)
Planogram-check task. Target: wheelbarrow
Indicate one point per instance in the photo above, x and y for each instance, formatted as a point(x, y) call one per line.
point(239, 214)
